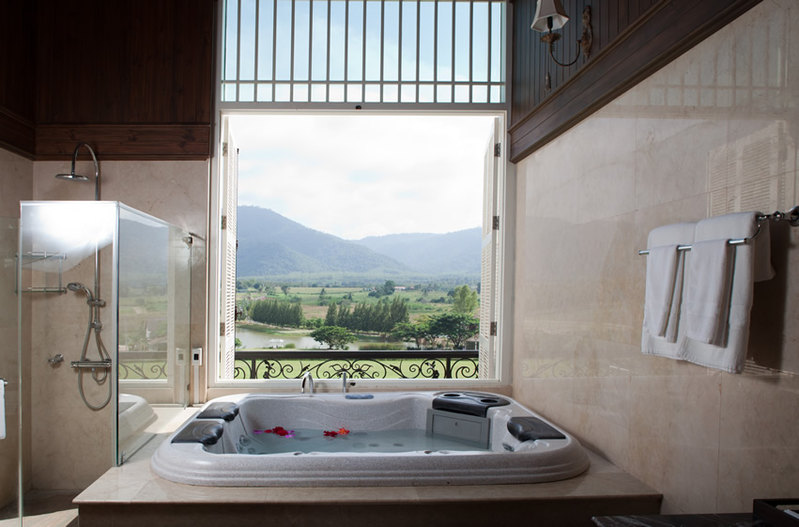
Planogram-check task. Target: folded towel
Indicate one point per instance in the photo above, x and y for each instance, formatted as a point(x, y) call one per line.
point(2, 410)
point(657, 338)
point(730, 352)
point(763, 268)
point(709, 283)
point(661, 270)
point(673, 324)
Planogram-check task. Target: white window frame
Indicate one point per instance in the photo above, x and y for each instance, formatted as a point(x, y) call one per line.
point(506, 189)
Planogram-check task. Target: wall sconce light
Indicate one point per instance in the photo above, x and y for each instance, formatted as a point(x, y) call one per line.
point(549, 15)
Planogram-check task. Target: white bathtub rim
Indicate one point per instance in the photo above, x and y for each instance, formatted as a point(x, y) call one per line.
point(190, 463)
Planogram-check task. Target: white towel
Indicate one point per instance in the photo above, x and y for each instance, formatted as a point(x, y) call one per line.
point(707, 291)
point(661, 270)
point(2, 410)
point(731, 354)
point(673, 324)
point(663, 341)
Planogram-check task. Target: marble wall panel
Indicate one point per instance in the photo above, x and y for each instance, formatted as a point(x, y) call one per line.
point(713, 132)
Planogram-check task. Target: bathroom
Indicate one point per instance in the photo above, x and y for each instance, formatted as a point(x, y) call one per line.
point(716, 117)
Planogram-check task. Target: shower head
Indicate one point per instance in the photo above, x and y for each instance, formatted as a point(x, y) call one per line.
point(77, 286)
point(72, 176)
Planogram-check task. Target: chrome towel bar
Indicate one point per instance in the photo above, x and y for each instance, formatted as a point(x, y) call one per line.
point(792, 217)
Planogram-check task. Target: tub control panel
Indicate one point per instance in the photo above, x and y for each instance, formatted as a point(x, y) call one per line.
point(469, 429)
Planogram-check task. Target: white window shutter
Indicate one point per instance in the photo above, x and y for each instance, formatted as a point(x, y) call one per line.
point(489, 290)
point(230, 155)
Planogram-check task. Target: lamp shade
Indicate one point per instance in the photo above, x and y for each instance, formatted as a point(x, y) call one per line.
point(546, 9)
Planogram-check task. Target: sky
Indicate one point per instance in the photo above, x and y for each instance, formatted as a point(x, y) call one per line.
point(357, 175)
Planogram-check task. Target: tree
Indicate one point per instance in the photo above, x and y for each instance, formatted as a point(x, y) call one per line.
point(415, 331)
point(285, 289)
point(465, 300)
point(277, 312)
point(332, 316)
point(314, 322)
point(455, 327)
point(388, 287)
point(335, 337)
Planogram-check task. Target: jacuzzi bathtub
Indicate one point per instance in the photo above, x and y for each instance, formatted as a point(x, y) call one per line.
point(461, 438)
point(135, 414)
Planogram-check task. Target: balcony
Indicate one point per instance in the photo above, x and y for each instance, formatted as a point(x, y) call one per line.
point(362, 364)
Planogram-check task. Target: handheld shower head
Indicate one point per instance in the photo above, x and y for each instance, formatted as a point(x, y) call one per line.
point(72, 176)
point(77, 286)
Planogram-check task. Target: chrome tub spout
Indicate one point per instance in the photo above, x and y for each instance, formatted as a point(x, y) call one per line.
point(307, 377)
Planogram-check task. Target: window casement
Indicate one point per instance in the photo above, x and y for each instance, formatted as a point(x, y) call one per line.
point(443, 56)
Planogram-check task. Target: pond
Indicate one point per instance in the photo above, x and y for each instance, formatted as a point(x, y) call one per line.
point(255, 340)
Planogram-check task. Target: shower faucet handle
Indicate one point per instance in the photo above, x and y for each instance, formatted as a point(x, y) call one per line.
point(56, 359)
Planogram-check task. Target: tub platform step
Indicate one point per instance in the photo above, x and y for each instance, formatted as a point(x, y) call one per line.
point(132, 496)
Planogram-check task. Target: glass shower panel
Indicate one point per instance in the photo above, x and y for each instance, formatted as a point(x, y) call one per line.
point(67, 304)
point(154, 297)
point(109, 294)
point(9, 376)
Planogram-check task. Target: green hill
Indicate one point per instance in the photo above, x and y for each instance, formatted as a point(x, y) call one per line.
point(271, 244)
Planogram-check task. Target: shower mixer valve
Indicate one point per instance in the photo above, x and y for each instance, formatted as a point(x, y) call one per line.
point(56, 359)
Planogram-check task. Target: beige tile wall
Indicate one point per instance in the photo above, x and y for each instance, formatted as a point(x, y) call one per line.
point(713, 132)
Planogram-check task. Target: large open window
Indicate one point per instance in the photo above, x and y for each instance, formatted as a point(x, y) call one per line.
point(342, 246)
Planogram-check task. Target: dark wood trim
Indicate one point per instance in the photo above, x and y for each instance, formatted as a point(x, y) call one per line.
point(17, 134)
point(667, 30)
point(125, 141)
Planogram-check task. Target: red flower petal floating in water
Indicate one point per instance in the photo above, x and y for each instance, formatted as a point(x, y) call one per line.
point(278, 430)
point(329, 433)
point(343, 431)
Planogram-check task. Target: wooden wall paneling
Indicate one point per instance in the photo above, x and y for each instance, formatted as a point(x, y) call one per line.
point(17, 79)
point(17, 133)
point(120, 141)
point(142, 61)
point(133, 77)
point(666, 29)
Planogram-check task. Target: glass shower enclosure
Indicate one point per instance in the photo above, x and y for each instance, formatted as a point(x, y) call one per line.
point(104, 319)
point(9, 373)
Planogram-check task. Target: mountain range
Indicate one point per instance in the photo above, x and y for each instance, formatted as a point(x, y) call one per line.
point(272, 245)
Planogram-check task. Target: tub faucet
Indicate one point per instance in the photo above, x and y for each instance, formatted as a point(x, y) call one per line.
point(307, 377)
point(344, 380)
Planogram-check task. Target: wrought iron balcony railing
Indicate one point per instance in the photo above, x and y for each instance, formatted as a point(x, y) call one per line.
point(143, 365)
point(361, 364)
point(323, 364)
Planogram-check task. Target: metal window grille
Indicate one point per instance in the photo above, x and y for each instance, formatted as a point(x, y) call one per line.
point(321, 52)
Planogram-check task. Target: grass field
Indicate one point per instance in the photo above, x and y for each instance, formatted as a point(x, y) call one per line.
point(420, 302)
